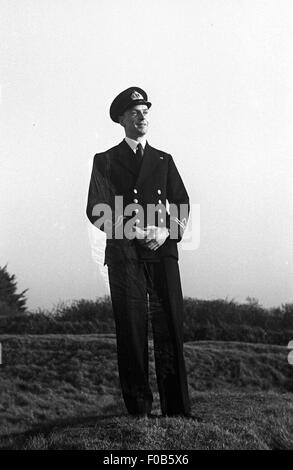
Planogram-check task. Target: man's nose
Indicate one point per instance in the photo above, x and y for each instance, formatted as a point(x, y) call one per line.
point(141, 116)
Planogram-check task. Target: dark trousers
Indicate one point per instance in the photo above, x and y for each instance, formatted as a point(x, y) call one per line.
point(130, 283)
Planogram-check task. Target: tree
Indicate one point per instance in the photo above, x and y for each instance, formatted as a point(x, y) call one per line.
point(10, 301)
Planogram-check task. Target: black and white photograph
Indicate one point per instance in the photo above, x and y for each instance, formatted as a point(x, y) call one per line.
point(146, 227)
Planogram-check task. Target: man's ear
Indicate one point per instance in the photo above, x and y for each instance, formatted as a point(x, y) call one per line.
point(121, 120)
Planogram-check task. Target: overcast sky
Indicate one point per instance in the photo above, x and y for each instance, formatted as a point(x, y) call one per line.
point(219, 75)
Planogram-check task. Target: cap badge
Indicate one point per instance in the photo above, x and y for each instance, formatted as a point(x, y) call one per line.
point(136, 96)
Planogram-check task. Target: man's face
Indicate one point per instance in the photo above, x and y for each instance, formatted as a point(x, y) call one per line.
point(135, 121)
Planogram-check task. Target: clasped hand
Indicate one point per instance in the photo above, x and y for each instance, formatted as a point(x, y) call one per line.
point(151, 237)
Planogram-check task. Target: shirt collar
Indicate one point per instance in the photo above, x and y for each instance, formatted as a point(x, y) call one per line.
point(133, 143)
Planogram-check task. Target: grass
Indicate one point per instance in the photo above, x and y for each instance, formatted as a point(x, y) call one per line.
point(228, 420)
point(62, 392)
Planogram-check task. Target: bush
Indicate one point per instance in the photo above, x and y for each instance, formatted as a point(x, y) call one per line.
point(81, 317)
point(218, 320)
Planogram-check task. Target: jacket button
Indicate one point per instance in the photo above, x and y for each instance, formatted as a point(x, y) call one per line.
point(159, 201)
point(135, 200)
point(161, 220)
point(137, 221)
point(159, 191)
point(160, 210)
point(135, 191)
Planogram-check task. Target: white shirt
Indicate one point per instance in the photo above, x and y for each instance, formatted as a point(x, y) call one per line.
point(133, 143)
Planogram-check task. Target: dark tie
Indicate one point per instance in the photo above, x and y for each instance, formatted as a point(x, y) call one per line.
point(139, 153)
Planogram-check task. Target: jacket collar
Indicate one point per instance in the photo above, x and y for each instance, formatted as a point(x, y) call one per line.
point(133, 143)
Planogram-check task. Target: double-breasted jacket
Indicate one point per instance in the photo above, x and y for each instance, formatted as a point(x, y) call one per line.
point(124, 193)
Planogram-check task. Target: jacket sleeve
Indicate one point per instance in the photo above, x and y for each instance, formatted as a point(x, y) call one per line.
point(179, 205)
point(100, 195)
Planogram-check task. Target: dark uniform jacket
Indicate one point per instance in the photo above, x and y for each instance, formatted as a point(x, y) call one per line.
point(154, 181)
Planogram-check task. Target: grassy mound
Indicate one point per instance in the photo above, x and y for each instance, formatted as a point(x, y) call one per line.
point(237, 389)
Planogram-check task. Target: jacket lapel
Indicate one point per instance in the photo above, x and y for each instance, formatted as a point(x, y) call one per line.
point(149, 162)
point(125, 157)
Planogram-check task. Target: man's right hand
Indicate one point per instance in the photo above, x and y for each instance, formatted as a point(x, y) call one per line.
point(152, 237)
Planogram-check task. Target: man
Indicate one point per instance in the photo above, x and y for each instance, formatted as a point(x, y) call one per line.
point(130, 186)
